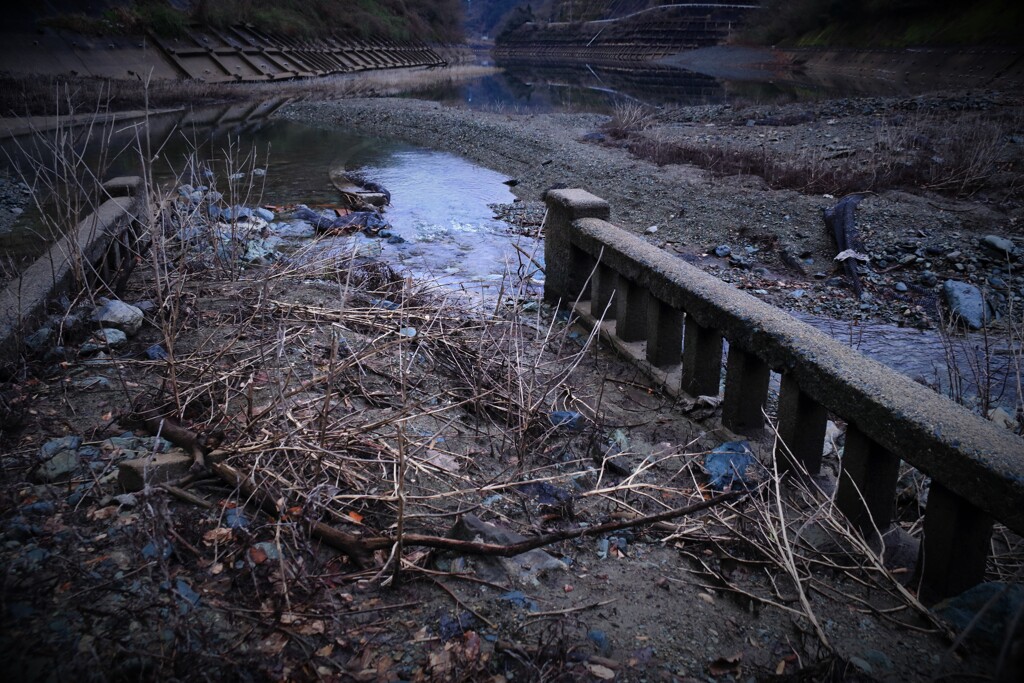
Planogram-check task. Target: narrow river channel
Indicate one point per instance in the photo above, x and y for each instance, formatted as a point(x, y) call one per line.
point(441, 207)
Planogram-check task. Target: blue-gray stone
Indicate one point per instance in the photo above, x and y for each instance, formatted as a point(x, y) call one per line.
point(38, 339)
point(297, 229)
point(722, 250)
point(40, 507)
point(569, 419)
point(60, 466)
point(234, 518)
point(966, 303)
point(112, 337)
point(600, 640)
point(156, 352)
point(989, 609)
point(1000, 245)
point(900, 286)
point(730, 464)
point(238, 213)
point(188, 597)
point(55, 446)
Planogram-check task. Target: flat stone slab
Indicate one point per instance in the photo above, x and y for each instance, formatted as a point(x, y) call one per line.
point(133, 475)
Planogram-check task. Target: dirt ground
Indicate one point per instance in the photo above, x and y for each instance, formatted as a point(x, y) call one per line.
point(344, 395)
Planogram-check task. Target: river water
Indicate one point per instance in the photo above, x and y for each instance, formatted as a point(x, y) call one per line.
point(441, 205)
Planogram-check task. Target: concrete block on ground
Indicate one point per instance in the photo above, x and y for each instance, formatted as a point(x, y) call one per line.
point(133, 475)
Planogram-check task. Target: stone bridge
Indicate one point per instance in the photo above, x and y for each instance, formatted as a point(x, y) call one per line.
point(671, 319)
point(649, 34)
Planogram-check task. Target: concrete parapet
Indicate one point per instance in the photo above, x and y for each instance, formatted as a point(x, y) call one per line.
point(100, 249)
point(980, 464)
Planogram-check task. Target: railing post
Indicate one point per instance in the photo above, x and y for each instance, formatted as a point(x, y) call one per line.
point(602, 292)
point(564, 207)
point(867, 483)
point(631, 311)
point(664, 333)
point(702, 359)
point(955, 546)
point(746, 388)
point(802, 422)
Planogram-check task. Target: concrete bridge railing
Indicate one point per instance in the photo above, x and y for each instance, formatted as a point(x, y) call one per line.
point(671, 319)
point(99, 252)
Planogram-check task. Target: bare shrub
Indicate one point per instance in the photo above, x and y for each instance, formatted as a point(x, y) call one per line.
point(628, 117)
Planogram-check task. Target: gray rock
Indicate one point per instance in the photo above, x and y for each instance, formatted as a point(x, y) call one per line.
point(55, 446)
point(988, 609)
point(294, 229)
point(966, 303)
point(60, 466)
point(900, 286)
point(722, 250)
point(119, 315)
point(39, 339)
point(112, 337)
point(238, 213)
point(1000, 246)
point(526, 567)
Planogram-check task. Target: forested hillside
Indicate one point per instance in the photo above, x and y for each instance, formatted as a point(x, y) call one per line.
point(427, 20)
point(887, 23)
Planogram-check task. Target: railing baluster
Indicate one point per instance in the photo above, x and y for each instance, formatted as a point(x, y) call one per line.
point(602, 292)
point(631, 311)
point(956, 543)
point(702, 359)
point(802, 422)
point(746, 388)
point(581, 265)
point(867, 484)
point(664, 333)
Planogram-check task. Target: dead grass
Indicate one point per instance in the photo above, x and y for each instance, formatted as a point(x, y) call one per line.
point(921, 152)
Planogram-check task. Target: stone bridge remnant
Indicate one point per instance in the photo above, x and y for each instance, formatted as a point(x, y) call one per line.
point(671, 318)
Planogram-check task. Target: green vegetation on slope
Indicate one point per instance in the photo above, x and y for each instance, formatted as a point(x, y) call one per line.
point(886, 23)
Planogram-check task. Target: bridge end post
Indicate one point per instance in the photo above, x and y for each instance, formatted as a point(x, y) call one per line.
point(565, 207)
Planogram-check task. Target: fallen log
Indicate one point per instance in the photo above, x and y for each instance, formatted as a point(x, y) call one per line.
point(839, 221)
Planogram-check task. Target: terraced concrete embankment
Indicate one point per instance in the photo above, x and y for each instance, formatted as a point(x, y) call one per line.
point(645, 35)
point(235, 54)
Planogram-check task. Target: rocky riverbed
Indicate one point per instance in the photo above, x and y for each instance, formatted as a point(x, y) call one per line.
point(744, 227)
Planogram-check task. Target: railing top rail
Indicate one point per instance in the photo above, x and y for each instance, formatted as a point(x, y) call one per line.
point(971, 456)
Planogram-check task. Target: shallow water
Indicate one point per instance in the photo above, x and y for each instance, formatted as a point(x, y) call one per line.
point(440, 207)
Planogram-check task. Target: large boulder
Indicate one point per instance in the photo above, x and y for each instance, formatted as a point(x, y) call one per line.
point(120, 316)
point(966, 303)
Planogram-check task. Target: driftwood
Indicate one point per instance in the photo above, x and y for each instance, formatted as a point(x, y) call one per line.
point(839, 221)
point(361, 548)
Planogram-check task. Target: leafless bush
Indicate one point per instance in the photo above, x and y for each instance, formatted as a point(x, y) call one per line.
point(628, 117)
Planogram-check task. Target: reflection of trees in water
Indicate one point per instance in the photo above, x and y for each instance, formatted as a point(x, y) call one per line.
point(650, 84)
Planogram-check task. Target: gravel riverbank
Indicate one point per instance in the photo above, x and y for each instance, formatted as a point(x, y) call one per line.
point(777, 244)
